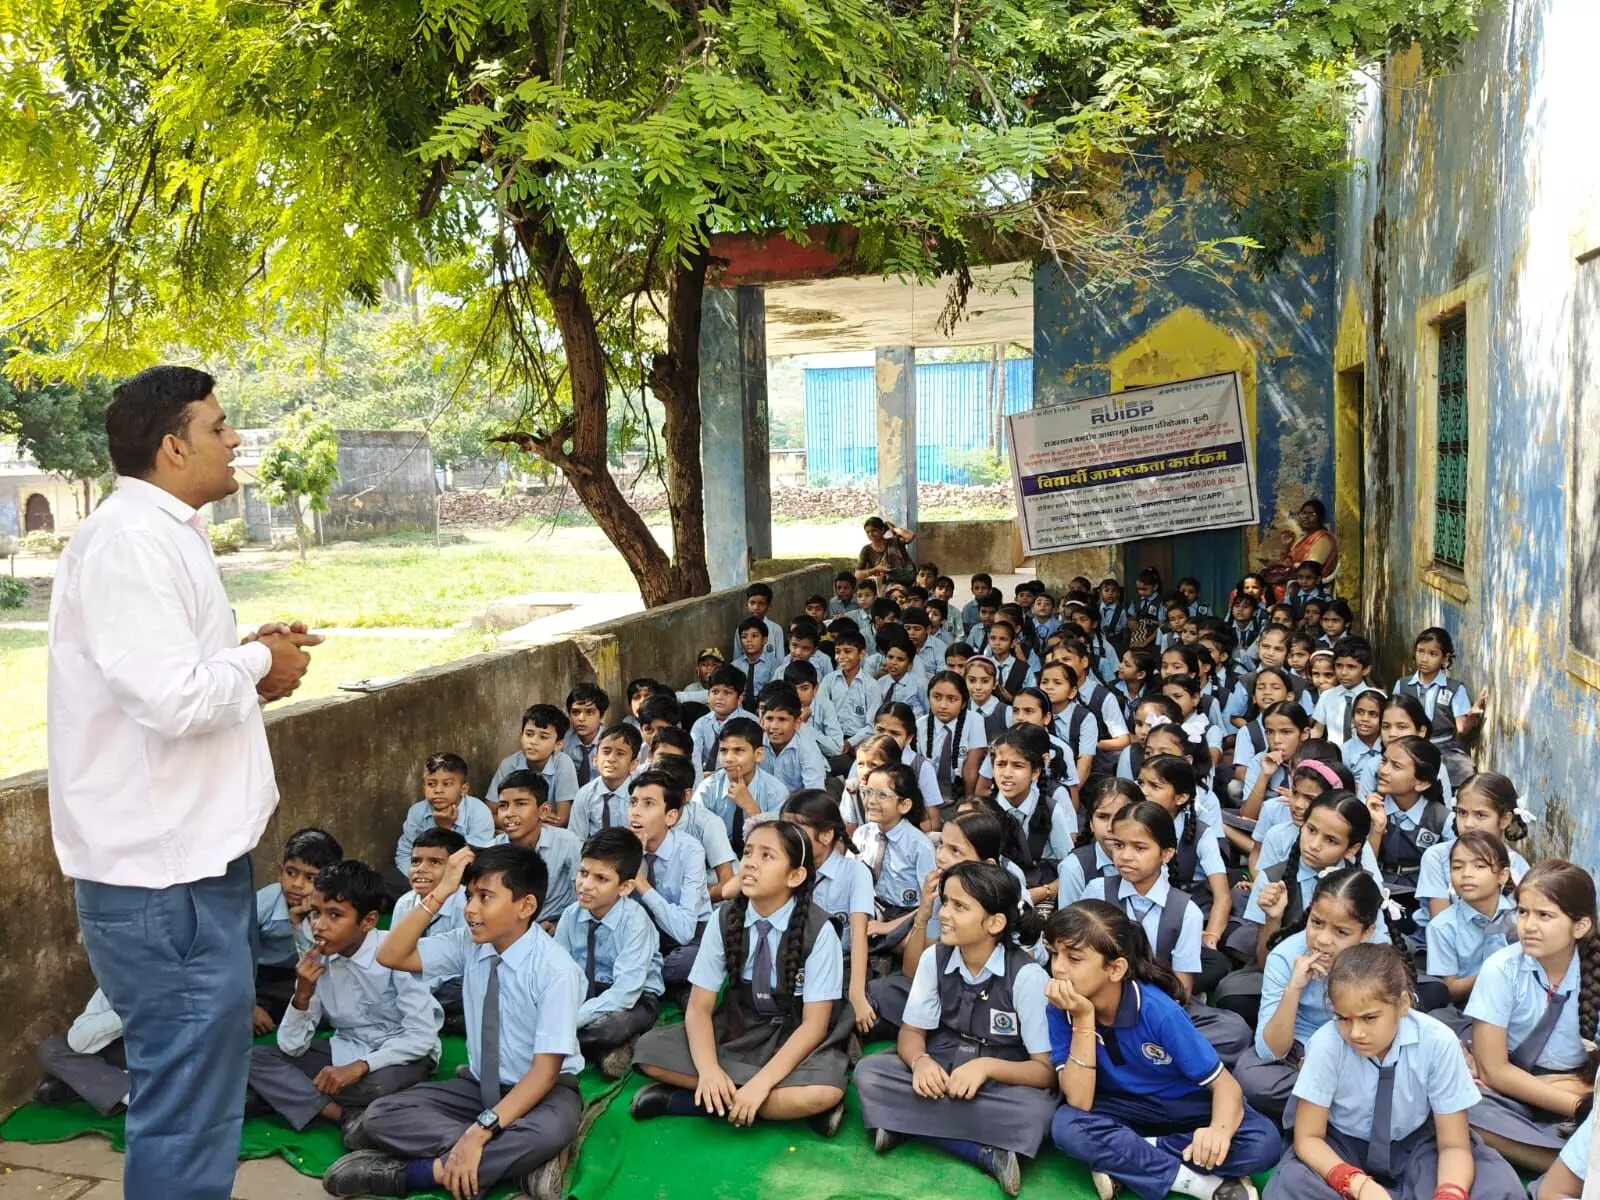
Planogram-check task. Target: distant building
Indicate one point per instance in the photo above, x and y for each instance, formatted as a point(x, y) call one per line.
point(32, 499)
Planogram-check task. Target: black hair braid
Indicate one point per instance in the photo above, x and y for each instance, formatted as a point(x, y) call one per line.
point(1588, 986)
point(1043, 819)
point(1398, 941)
point(794, 937)
point(733, 936)
point(1291, 866)
point(928, 739)
point(1175, 874)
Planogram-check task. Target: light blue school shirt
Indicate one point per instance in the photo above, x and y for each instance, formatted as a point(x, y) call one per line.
point(1307, 879)
point(706, 731)
point(967, 730)
point(969, 613)
point(761, 670)
point(679, 900)
point(1575, 1154)
point(1430, 1077)
point(824, 726)
point(1510, 993)
point(1088, 731)
point(930, 659)
point(768, 791)
point(1070, 882)
point(1208, 853)
point(1005, 668)
point(384, 1017)
point(275, 932)
point(777, 643)
point(1433, 878)
point(473, 821)
point(1329, 711)
point(573, 746)
point(798, 765)
point(1313, 1011)
point(1428, 695)
point(1281, 776)
point(844, 885)
point(627, 956)
point(593, 802)
point(909, 689)
point(1410, 819)
point(821, 979)
point(560, 776)
point(540, 988)
point(1281, 837)
point(923, 1010)
point(1367, 778)
point(906, 857)
point(1275, 811)
point(452, 913)
point(1063, 824)
point(854, 701)
point(1360, 758)
point(560, 848)
point(1147, 910)
point(820, 662)
point(1461, 938)
point(706, 827)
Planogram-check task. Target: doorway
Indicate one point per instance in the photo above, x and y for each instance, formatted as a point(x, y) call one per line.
point(36, 516)
point(1213, 556)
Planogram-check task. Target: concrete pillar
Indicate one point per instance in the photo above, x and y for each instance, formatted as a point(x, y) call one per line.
point(733, 432)
point(897, 434)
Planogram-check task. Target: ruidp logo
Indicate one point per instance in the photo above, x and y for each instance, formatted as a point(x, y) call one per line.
point(1119, 410)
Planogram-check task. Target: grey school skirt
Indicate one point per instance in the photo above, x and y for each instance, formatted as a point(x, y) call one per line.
point(667, 1048)
point(1007, 1115)
point(1516, 1121)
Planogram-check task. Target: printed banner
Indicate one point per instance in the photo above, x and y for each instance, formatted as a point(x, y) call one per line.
point(1147, 462)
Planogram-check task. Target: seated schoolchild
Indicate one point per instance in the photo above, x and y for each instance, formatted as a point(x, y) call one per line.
point(87, 1063)
point(515, 1112)
point(1488, 802)
point(658, 712)
point(602, 803)
point(791, 757)
point(282, 933)
point(1407, 815)
point(430, 855)
point(1091, 856)
point(738, 791)
point(1383, 1099)
point(544, 726)
point(896, 851)
point(952, 735)
point(1565, 1178)
point(844, 595)
point(696, 820)
point(1148, 1104)
point(727, 687)
point(757, 606)
point(971, 1072)
point(851, 693)
point(527, 821)
point(613, 939)
point(843, 887)
point(755, 659)
point(805, 637)
point(707, 661)
point(385, 1022)
point(1346, 909)
point(776, 1047)
point(587, 705)
point(1479, 919)
point(671, 884)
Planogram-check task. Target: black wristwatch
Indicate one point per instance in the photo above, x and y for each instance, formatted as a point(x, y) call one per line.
point(489, 1121)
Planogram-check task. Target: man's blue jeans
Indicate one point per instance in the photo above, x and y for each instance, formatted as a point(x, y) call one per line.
point(177, 967)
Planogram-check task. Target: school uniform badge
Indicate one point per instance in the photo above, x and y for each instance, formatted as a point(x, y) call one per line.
point(1426, 838)
point(1002, 1024)
point(910, 896)
point(1157, 1054)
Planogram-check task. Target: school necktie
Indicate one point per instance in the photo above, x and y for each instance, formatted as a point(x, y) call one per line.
point(751, 691)
point(605, 810)
point(489, 1039)
point(584, 771)
point(650, 868)
point(1526, 1056)
point(589, 965)
point(880, 851)
point(709, 761)
point(761, 971)
point(1382, 1126)
point(947, 757)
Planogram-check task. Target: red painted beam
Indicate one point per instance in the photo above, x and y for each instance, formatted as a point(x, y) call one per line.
point(736, 258)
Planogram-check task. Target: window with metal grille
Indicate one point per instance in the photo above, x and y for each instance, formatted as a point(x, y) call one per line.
point(1450, 437)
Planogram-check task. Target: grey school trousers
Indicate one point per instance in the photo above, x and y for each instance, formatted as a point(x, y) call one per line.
point(427, 1120)
point(100, 1079)
point(284, 1082)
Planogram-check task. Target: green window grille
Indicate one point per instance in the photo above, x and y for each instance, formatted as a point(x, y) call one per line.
point(1450, 479)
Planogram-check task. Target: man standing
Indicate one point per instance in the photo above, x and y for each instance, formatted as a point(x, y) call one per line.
point(160, 778)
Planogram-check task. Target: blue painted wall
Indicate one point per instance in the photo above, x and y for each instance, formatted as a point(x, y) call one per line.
point(1285, 318)
point(1478, 175)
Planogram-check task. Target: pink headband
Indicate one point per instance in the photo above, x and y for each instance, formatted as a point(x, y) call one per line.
point(1322, 770)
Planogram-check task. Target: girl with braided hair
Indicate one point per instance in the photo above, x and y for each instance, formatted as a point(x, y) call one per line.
point(1198, 868)
point(1488, 803)
point(1534, 1010)
point(951, 736)
point(776, 1047)
point(1383, 1100)
point(1043, 814)
point(1479, 920)
point(1104, 797)
point(971, 1072)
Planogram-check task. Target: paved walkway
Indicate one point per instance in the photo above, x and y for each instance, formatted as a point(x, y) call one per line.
point(87, 1168)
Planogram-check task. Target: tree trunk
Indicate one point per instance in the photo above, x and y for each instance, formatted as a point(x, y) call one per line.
point(584, 464)
point(675, 382)
point(299, 526)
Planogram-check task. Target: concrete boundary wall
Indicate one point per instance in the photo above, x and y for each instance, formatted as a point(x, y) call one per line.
point(350, 763)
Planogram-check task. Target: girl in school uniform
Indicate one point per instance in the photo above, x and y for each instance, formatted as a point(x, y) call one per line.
point(981, 676)
point(1149, 1106)
point(971, 1068)
point(1479, 919)
point(1362, 750)
point(1402, 716)
point(1091, 858)
point(895, 849)
point(1169, 781)
point(951, 736)
point(1286, 725)
point(1311, 778)
point(1533, 1010)
point(1381, 1103)
point(1488, 802)
point(1407, 818)
point(1070, 722)
point(1451, 717)
point(1345, 910)
point(1320, 675)
point(775, 1048)
point(842, 887)
point(1565, 1178)
point(1336, 621)
point(1149, 888)
point(1044, 816)
point(1151, 713)
point(1138, 674)
point(899, 722)
point(875, 750)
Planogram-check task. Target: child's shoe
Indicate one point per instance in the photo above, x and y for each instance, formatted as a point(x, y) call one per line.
point(366, 1173)
point(618, 1060)
point(827, 1123)
point(1003, 1165)
point(548, 1180)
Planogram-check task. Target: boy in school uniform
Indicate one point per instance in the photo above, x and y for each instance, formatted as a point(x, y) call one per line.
point(927, 656)
point(385, 1023)
point(282, 934)
point(852, 694)
point(671, 882)
point(753, 659)
point(727, 685)
point(844, 595)
point(817, 716)
point(612, 938)
point(525, 817)
point(866, 597)
point(1306, 586)
point(444, 805)
point(1014, 672)
point(757, 603)
point(792, 756)
point(86, 1063)
point(517, 1110)
point(978, 630)
point(1352, 665)
point(707, 661)
point(804, 637)
point(544, 728)
point(901, 681)
point(587, 705)
point(603, 801)
point(738, 790)
point(696, 820)
point(982, 587)
point(430, 854)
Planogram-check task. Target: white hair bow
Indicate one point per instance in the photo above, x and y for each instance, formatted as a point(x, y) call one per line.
point(1329, 870)
point(1157, 721)
point(1524, 814)
point(1392, 907)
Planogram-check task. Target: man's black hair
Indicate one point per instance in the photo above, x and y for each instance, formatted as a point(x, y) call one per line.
point(519, 868)
point(148, 407)
point(353, 882)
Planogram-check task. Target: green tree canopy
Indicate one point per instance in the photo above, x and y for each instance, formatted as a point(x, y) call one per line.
point(300, 468)
point(61, 425)
point(178, 174)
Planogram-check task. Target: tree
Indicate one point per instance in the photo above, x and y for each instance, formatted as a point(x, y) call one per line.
point(60, 425)
point(552, 171)
point(300, 468)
